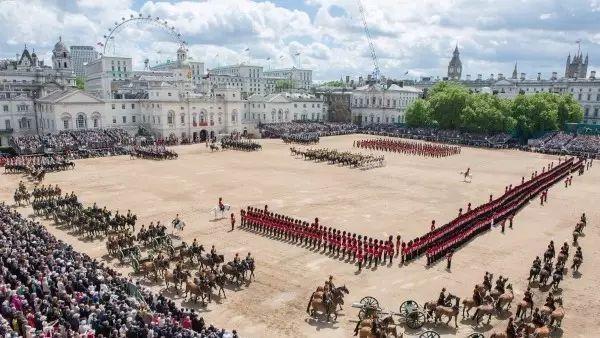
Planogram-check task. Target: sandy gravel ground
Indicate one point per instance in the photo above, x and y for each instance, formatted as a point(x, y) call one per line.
point(402, 197)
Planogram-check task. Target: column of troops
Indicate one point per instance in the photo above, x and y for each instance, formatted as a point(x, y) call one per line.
point(410, 148)
point(439, 242)
point(359, 248)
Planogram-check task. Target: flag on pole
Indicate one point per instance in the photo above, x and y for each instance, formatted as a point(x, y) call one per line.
point(269, 59)
point(406, 73)
point(247, 50)
point(281, 57)
point(297, 53)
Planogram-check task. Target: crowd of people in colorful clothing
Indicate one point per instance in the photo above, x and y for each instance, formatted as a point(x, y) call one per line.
point(72, 141)
point(47, 289)
point(410, 148)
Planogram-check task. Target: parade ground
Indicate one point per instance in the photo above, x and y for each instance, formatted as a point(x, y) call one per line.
point(400, 198)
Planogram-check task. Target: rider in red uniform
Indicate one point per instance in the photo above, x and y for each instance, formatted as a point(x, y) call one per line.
point(221, 205)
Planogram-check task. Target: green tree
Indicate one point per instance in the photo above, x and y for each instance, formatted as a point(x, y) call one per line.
point(569, 110)
point(447, 101)
point(535, 113)
point(486, 113)
point(79, 83)
point(418, 114)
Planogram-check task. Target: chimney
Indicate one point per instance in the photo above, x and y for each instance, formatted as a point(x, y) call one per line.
point(479, 77)
point(500, 76)
point(347, 78)
point(522, 76)
point(468, 77)
point(593, 75)
point(554, 75)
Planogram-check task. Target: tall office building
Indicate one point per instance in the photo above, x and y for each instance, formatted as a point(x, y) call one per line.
point(81, 55)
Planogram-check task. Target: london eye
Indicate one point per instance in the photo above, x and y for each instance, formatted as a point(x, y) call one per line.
point(168, 32)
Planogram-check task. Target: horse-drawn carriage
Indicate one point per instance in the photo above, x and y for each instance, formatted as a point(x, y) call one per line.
point(409, 312)
point(161, 243)
point(129, 253)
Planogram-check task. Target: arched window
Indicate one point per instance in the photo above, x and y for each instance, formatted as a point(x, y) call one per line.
point(81, 121)
point(65, 65)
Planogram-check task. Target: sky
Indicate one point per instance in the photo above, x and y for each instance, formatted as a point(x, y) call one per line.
point(411, 38)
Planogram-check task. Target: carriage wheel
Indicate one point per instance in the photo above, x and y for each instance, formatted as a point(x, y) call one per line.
point(429, 334)
point(407, 307)
point(370, 302)
point(476, 335)
point(415, 320)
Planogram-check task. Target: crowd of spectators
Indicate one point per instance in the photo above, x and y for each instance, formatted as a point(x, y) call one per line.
point(69, 141)
point(277, 130)
point(47, 289)
point(570, 144)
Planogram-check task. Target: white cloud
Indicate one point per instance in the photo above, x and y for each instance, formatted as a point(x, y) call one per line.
point(414, 36)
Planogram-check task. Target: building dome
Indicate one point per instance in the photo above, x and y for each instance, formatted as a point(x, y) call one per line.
point(59, 47)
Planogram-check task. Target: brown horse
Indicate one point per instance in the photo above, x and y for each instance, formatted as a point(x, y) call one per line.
point(555, 316)
point(327, 304)
point(484, 309)
point(522, 309)
point(203, 291)
point(469, 303)
point(176, 278)
point(506, 298)
point(383, 328)
point(448, 312)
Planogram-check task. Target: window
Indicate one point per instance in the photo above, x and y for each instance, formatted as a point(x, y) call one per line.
point(80, 122)
point(95, 123)
point(133, 119)
point(169, 94)
point(22, 107)
point(589, 97)
point(124, 119)
point(65, 124)
point(114, 120)
point(5, 108)
point(7, 124)
point(182, 119)
point(133, 106)
point(123, 106)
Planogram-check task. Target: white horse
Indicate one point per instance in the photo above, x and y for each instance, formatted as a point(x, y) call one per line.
point(216, 210)
point(178, 225)
point(467, 177)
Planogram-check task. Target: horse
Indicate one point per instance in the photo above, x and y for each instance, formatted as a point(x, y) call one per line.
point(522, 308)
point(329, 304)
point(505, 299)
point(214, 147)
point(235, 271)
point(448, 312)
point(217, 209)
point(484, 309)
point(467, 177)
point(375, 328)
point(209, 261)
point(178, 225)
point(203, 290)
point(177, 279)
point(555, 315)
point(469, 303)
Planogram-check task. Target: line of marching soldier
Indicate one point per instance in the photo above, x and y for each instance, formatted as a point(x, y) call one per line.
point(360, 248)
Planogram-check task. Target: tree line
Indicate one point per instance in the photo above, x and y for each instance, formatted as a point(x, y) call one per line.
point(452, 106)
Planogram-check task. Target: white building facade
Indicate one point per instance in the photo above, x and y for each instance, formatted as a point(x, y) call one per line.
point(377, 104)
